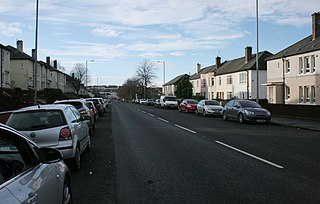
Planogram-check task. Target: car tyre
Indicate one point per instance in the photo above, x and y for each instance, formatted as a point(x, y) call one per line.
point(76, 161)
point(204, 113)
point(88, 148)
point(224, 116)
point(240, 118)
point(196, 112)
point(67, 194)
point(186, 110)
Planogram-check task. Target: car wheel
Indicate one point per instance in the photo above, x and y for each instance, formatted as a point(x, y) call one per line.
point(224, 116)
point(186, 110)
point(88, 148)
point(180, 110)
point(196, 112)
point(240, 118)
point(67, 195)
point(204, 113)
point(76, 162)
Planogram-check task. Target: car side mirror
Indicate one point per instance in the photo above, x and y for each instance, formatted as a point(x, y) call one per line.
point(50, 155)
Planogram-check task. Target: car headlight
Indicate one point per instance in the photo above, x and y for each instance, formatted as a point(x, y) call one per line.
point(248, 112)
point(268, 113)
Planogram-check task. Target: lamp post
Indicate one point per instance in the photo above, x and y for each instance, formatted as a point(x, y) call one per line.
point(164, 73)
point(257, 57)
point(35, 56)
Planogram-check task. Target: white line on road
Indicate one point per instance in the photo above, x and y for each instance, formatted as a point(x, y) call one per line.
point(143, 111)
point(163, 120)
point(251, 155)
point(151, 114)
point(185, 129)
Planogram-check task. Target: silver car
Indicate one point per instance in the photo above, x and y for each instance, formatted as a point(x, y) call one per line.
point(209, 107)
point(30, 174)
point(58, 126)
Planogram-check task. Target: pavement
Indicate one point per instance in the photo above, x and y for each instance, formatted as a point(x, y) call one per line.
point(302, 123)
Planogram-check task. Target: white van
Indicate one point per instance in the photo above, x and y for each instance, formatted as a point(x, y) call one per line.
point(168, 102)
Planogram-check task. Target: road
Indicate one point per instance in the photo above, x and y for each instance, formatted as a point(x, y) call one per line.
point(164, 156)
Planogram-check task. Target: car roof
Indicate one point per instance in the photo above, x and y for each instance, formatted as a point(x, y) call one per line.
point(44, 107)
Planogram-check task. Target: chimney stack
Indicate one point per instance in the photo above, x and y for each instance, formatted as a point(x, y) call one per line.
point(218, 61)
point(48, 60)
point(33, 52)
point(198, 67)
point(248, 54)
point(20, 45)
point(315, 25)
point(55, 64)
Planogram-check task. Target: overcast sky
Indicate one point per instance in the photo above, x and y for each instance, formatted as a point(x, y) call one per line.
point(119, 34)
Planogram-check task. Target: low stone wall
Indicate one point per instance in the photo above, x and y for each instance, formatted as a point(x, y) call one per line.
point(304, 111)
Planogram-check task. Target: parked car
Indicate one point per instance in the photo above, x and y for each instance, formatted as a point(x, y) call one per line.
point(82, 106)
point(4, 116)
point(29, 173)
point(149, 102)
point(91, 105)
point(188, 105)
point(168, 102)
point(245, 110)
point(209, 107)
point(99, 105)
point(157, 103)
point(59, 126)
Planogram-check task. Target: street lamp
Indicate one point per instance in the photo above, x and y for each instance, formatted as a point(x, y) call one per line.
point(257, 55)
point(164, 71)
point(35, 56)
point(86, 82)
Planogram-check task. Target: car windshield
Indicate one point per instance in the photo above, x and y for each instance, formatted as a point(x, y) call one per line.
point(192, 102)
point(170, 99)
point(249, 104)
point(36, 120)
point(76, 104)
point(215, 103)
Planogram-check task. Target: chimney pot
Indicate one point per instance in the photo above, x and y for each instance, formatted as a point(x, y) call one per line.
point(33, 51)
point(55, 64)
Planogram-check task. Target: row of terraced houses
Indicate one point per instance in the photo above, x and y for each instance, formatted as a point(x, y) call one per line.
point(291, 76)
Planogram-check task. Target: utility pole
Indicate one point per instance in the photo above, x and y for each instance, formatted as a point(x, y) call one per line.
point(35, 56)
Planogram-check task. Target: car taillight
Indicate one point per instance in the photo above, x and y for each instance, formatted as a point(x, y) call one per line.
point(65, 134)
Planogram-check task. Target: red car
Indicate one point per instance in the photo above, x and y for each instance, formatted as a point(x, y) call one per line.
point(188, 105)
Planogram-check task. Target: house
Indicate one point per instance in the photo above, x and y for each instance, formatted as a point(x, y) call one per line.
point(171, 86)
point(294, 72)
point(199, 81)
point(5, 81)
point(237, 78)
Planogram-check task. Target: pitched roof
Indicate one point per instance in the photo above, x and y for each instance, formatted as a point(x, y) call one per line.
point(303, 46)
point(16, 54)
point(175, 80)
point(238, 65)
point(205, 70)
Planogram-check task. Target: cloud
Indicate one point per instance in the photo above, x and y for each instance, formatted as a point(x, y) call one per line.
point(9, 29)
point(105, 31)
point(150, 55)
point(177, 54)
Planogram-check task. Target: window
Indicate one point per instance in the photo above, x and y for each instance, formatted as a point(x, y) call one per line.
point(287, 66)
point(229, 95)
point(301, 65)
point(229, 79)
point(301, 94)
point(212, 95)
point(306, 94)
point(270, 94)
point(313, 64)
point(307, 64)
point(204, 82)
point(313, 94)
point(212, 81)
point(197, 83)
point(243, 78)
point(287, 92)
point(219, 81)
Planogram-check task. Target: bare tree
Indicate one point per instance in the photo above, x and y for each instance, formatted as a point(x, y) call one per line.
point(130, 89)
point(145, 73)
point(79, 71)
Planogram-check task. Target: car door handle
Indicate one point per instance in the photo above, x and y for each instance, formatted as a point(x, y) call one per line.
point(32, 198)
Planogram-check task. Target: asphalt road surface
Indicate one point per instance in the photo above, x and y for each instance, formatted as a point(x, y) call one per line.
point(164, 156)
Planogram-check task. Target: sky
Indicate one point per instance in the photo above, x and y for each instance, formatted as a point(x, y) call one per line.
point(115, 36)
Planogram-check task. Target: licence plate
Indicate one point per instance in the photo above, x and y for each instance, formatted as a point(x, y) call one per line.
point(261, 121)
